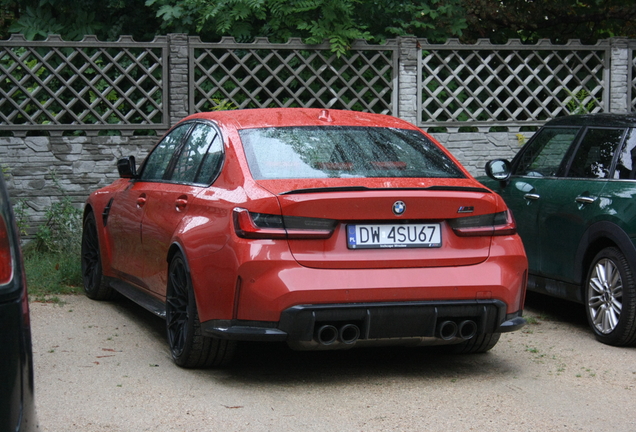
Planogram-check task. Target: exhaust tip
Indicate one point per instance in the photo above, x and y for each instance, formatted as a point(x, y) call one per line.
point(326, 334)
point(349, 334)
point(467, 329)
point(447, 330)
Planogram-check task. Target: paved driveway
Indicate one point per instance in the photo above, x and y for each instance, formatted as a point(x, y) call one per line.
point(106, 367)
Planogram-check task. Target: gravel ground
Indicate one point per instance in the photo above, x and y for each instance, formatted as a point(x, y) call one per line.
point(106, 367)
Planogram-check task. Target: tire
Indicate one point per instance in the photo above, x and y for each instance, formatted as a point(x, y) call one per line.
point(95, 286)
point(477, 344)
point(610, 298)
point(188, 346)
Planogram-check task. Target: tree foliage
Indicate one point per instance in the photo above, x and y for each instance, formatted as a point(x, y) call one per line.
point(558, 20)
point(337, 21)
point(107, 19)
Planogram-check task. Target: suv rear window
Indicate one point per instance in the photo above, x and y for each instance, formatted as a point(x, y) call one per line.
point(341, 152)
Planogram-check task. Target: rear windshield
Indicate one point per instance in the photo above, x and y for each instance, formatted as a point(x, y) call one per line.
point(341, 152)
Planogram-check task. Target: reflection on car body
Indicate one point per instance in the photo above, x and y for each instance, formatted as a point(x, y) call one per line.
point(241, 226)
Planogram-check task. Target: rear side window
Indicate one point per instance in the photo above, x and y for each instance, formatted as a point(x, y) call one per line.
point(341, 152)
point(157, 163)
point(545, 152)
point(201, 156)
point(595, 153)
point(626, 165)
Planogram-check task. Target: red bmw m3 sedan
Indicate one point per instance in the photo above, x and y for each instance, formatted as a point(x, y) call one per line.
point(325, 229)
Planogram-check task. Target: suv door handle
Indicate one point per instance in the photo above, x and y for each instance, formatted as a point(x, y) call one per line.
point(532, 196)
point(584, 199)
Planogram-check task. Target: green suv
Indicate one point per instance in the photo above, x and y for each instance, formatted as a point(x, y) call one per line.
point(572, 189)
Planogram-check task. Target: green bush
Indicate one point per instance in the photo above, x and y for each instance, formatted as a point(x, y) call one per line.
point(62, 232)
point(53, 259)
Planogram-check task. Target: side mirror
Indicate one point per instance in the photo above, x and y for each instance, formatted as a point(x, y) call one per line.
point(498, 169)
point(126, 167)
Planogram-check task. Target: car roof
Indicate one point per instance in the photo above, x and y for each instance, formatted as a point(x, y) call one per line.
point(601, 119)
point(276, 117)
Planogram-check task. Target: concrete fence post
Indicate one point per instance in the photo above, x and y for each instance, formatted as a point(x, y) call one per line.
point(178, 77)
point(407, 79)
point(619, 75)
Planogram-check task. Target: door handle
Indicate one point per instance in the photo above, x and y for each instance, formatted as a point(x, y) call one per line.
point(141, 200)
point(180, 203)
point(532, 196)
point(585, 199)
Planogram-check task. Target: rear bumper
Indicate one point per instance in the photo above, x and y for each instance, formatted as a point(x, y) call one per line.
point(424, 322)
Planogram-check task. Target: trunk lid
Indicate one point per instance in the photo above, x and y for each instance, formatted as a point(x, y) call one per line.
point(432, 204)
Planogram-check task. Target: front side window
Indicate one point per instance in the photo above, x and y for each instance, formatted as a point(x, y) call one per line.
point(545, 152)
point(341, 152)
point(156, 165)
point(594, 156)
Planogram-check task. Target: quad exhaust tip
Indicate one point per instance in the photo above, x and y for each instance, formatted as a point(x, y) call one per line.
point(349, 334)
point(328, 334)
point(448, 330)
point(467, 329)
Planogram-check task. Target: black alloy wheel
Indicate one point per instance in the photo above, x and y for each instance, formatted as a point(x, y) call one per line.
point(95, 286)
point(189, 347)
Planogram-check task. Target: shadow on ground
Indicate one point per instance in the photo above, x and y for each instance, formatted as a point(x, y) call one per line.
point(276, 364)
point(555, 309)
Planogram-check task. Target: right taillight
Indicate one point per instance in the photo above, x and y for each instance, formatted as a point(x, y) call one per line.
point(6, 260)
point(491, 224)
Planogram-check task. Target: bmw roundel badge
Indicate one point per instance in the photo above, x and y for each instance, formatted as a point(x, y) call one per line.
point(399, 207)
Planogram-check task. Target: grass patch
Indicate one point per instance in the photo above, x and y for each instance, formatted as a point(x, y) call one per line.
point(52, 274)
point(531, 320)
point(52, 260)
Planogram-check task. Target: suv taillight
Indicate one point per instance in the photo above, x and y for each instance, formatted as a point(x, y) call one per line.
point(6, 260)
point(492, 224)
point(269, 226)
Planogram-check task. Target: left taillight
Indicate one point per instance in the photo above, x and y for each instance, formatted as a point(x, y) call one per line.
point(268, 226)
point(6, 255)
point(493, 224)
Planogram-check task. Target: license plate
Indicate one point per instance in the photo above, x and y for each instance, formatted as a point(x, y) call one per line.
point(394, 236)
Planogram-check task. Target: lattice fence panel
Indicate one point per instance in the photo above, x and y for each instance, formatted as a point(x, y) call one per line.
point(260, 75)
point(492, 85)
point(82, 85)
